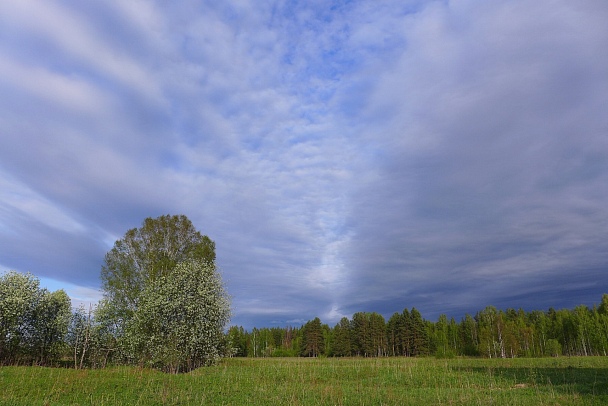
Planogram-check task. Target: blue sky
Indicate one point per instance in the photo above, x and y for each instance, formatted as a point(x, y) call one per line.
point(344, 155)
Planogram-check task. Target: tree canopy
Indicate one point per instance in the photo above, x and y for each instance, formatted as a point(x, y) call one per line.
point(145, 253)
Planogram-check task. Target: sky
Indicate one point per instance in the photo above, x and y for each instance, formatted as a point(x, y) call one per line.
point(344, 156)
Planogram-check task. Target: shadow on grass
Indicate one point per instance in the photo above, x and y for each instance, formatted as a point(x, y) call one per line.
point(572, 380)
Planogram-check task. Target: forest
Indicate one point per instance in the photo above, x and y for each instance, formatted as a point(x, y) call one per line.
point(490, 333)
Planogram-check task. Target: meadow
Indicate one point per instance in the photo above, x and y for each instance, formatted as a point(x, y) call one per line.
point(321, 381)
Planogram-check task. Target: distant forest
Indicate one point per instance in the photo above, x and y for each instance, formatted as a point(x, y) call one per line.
point(491, 333)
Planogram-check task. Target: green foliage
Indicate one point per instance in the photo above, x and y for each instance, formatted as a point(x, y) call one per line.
point(281, 353)
point(445, 354)
point(149, 252)
point(468, 343)
point(237, 341)
point(313, 343)
point(603, 307)
point(342, 346)
point(420, 337)
point(33, 321)
point(369, 334)
point(50, 326)
point(19, 297)
point(553, 348)
point(178, 325)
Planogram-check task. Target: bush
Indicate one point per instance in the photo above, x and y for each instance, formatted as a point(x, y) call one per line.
point(553, 348)
point(445, 354)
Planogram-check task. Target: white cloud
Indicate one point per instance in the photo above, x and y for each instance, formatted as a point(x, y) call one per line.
point(16, 199)
point(73, 93)
point(71, 36)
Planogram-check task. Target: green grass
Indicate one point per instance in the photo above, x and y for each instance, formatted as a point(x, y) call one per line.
point(297, 381)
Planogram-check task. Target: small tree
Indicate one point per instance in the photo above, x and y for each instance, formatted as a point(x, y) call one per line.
point(81, 336)
point(50, 326)
point(553, 348)
point(179, 323)
point(33, 321)
point(19, 297)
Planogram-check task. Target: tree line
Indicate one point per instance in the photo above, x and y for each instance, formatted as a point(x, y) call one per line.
point(491, 333)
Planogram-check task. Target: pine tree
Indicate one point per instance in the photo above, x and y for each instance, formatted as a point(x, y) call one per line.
point(420, 339)
point(342, 346)
point(313, 343)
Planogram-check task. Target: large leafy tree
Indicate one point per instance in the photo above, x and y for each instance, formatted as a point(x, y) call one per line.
point(161, 284)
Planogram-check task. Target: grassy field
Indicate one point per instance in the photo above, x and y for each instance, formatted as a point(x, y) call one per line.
point(297, 381)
